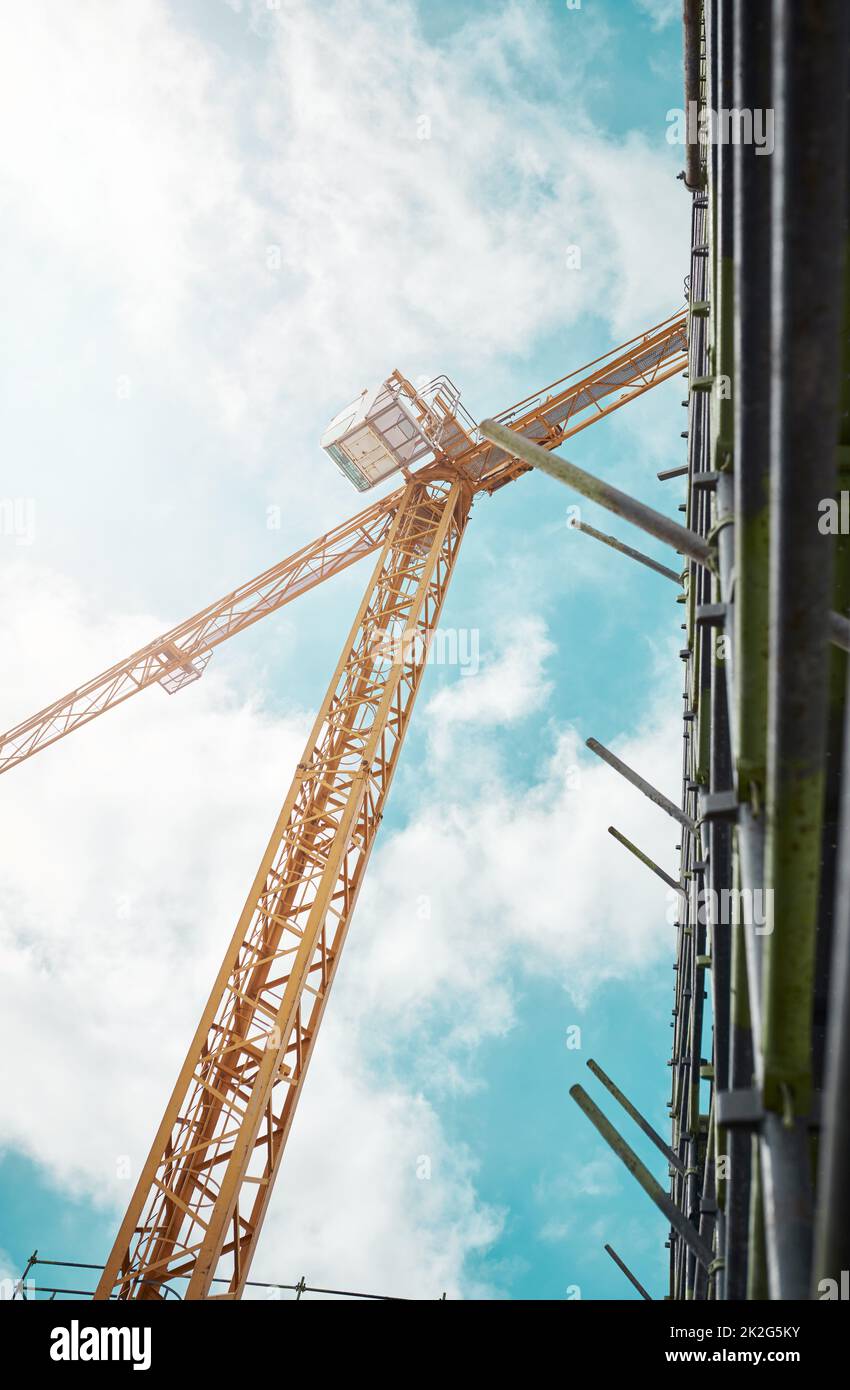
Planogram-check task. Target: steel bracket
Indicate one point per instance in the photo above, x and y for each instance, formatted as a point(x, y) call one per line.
point(710, 614)
point(718, 806)
point(743, 1108)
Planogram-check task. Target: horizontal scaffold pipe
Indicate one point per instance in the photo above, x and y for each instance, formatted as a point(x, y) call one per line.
point(638, 1170)
point(839, 631)
point(627, 550)
point(645, 859)
point(642, 785)
point(628, 1273)
point(596, 490)
point(630, 1109)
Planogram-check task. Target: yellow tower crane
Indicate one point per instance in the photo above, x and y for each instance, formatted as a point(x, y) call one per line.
point(199, 1204)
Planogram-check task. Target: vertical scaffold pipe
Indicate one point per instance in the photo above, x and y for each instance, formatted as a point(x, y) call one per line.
point(810, 62)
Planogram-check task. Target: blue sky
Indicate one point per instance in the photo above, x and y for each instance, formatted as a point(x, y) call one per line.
point(222, 222)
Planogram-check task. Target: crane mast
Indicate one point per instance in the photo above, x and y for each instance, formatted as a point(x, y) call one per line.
point(204, 1190)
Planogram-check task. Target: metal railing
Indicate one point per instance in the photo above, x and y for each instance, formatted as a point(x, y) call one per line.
point(28, 1288)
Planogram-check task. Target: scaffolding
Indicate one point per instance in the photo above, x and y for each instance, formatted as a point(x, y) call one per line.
point(759, 1160)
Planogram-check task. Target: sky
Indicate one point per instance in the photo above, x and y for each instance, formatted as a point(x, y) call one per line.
point(221, 220)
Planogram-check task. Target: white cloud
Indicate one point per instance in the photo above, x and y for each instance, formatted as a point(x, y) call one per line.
point(662, 12)
point(117, 160)
point(371, 1197)
point(467, 211)
point(494, 882)
point(419, 198)
point(558, 1192)
point(509, 689)
point(124, 843)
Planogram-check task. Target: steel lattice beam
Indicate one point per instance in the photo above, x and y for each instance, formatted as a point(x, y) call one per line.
point(204, 1190)
point(179, 652)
